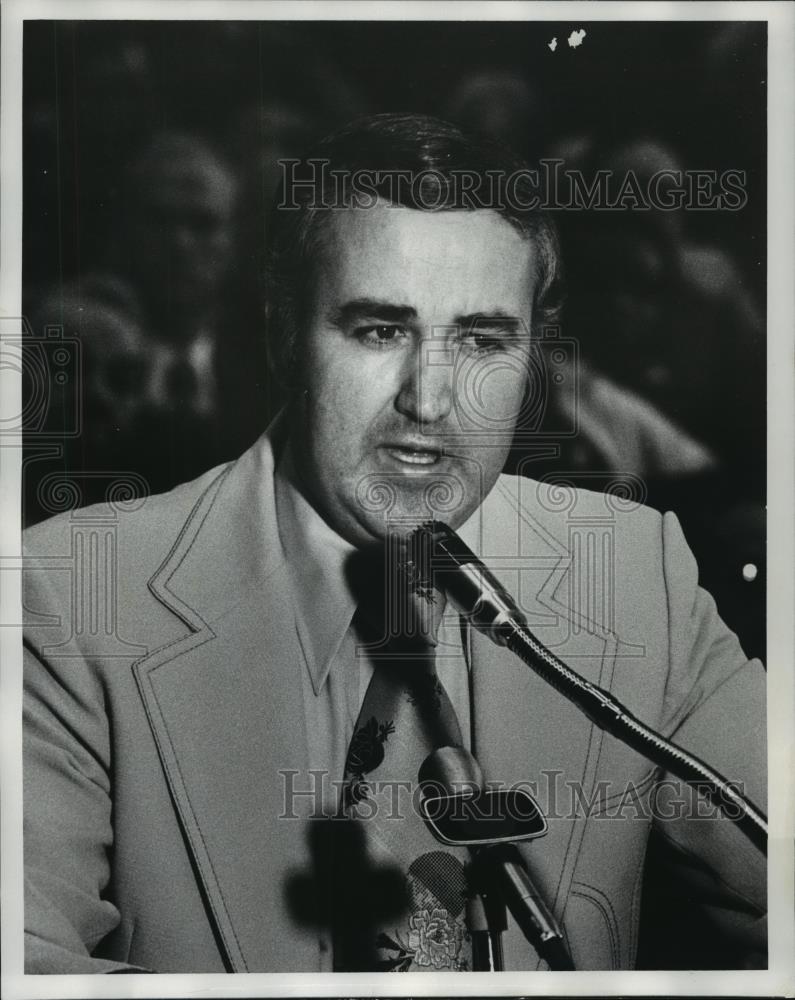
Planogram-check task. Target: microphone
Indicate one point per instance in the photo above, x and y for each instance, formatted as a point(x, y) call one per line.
point(437, 557)
point(462, 813)
point(504, 867)
point(497, 872)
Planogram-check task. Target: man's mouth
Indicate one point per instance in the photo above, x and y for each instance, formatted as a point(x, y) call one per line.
point(410, 455)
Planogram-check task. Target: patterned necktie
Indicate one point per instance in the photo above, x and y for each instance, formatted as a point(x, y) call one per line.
point(405, 715)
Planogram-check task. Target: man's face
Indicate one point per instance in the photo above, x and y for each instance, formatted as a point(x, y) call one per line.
point(181, 235)
point(413, 366)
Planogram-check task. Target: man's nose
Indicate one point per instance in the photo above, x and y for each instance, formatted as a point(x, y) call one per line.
point(426, 391)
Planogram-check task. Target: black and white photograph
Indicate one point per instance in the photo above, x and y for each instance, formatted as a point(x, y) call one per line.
point(397, 479)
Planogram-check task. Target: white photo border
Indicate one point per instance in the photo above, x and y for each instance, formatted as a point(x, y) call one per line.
point(779, 979)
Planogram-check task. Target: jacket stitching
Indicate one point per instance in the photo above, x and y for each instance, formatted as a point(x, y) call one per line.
point(635, 915)
point(574, 829)
point(169, 774)
point(191, 641)
point(668, 612)
point(603, 903)
point(203, 841)
point(189, 525)
point(642, 786)
point(204, 517)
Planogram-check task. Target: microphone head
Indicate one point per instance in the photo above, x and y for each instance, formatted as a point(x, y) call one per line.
point(437, 558)
point(417, 562)
point(459, 811)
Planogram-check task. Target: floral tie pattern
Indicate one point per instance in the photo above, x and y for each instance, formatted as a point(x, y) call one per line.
point(406, 713)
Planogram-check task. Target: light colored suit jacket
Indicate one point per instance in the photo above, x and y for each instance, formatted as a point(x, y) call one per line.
point(162, 703)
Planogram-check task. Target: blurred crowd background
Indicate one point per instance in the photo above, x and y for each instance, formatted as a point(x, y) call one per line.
point(151, 153)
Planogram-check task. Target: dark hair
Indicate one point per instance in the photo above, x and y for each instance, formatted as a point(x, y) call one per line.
point(410, 160)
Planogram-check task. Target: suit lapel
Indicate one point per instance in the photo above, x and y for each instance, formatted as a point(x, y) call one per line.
point(225, 706)
point(524, 730)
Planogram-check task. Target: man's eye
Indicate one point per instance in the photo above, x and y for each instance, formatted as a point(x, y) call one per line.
point(486, 343)
point(380, 335)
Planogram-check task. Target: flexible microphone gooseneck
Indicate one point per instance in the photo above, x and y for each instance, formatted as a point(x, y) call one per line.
point(437, 557)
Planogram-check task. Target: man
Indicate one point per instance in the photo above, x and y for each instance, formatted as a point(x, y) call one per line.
point(182, 730)
point(148, 320)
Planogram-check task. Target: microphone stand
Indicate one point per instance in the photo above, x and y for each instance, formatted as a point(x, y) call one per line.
point(486, 920)
point(500, 877)
point(439, 558)
point(497, 875)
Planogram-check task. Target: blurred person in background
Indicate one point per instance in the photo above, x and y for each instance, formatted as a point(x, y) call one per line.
point(303, 94)
point(78, 144)
point(619, 430)
point(501, 104)
point(671, 363)
point(669, 329)
point(177, 237)
point(110, 396)
point(665, 317)
point(260, 136)
point(150, 321)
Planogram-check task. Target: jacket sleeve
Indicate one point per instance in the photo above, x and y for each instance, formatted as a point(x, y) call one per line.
point(68, 829)
point(716, 700)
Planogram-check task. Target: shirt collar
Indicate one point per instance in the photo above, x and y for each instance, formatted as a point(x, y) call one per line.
point(316, 556)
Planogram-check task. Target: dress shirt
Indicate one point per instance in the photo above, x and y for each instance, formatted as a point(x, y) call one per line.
point(335, 673)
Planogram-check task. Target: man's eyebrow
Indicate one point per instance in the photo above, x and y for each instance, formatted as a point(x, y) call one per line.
point(491, 319)
point(389, 312)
